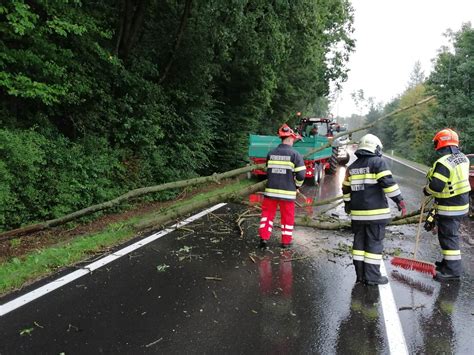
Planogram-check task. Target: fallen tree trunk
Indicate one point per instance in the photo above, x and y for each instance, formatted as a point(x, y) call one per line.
point(127, 196)
point(325, 202)
point(322, 212)
point(406, 220)
point(322, 225)
point(305, 222)
point(159, 219)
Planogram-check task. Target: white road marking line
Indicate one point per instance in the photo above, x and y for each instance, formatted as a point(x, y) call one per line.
point(403, 163)
point(393, 326)
point(53, 285)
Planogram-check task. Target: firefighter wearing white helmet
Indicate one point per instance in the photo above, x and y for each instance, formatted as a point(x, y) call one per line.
point(371, 143)
point(367, 185)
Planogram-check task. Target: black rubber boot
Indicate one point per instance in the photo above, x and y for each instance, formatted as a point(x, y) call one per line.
point(286, 245)
point(441, 276)
point(359, 268)
point(382, 280)
point(439, 265)
point(263, 244)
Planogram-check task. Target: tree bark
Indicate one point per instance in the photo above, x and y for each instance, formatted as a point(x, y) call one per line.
point(412, 219)
point(132, 18)
point(179, 36)
point(325, 202)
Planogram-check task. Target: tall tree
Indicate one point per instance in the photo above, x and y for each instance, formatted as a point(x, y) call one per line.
point(417, 75)
point(452, 80)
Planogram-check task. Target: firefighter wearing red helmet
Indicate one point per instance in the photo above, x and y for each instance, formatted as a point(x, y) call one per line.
point(448, 183)
point(286, 172)
point(285, 131)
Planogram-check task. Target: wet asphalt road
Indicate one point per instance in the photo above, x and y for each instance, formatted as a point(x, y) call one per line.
point(207, 289)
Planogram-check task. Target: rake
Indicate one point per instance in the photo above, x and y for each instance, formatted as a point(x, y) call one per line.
point(413, 263)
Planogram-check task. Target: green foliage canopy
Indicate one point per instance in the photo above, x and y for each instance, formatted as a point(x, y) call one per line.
point(98, 97)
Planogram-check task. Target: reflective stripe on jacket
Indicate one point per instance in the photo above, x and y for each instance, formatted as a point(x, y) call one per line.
point(449, 183)
point(286, 172)
point(365, 189)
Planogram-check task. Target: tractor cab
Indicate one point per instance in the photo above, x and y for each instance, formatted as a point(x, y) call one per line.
point(324, 127)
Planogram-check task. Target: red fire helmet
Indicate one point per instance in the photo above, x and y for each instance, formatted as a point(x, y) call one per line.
point(286, 131)
point(444, 138)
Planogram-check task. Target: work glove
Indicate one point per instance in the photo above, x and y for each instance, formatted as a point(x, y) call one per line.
point(402, 207)
point(425, 192)
point(347, 208)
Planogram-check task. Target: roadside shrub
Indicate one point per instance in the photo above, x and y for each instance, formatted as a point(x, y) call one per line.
point(43, 177)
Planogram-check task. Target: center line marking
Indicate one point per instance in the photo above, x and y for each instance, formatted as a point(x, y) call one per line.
point(64, 280)
point(393, 326)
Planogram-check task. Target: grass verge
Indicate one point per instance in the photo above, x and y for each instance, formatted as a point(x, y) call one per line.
point(19, 271)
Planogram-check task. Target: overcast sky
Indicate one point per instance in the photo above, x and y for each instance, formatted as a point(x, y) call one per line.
point(391, 35)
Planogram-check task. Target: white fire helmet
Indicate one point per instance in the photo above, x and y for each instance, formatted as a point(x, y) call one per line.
point(371, 143)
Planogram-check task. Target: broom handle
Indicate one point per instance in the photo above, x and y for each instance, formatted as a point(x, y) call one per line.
point(417, 239)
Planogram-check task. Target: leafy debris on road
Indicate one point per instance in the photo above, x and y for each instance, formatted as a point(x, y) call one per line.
point(27, 331)
point(211, 278)
point(414, 308)
point(73, 327)
point(162, 267)
point(153, 343)
point(252, 258)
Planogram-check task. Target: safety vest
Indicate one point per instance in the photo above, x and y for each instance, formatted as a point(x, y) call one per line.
point(449, 202)
point(286, 171)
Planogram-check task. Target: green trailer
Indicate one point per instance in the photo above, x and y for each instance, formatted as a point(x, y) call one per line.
point(316, 132)
point(316, 163)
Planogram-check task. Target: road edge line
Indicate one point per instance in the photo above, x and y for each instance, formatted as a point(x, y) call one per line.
point(403, 163)
point(393, 327)
point(64, 280)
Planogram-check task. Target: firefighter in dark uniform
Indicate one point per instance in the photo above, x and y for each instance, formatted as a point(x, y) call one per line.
point(367, 185)
point(286, 172)
point(448, 182)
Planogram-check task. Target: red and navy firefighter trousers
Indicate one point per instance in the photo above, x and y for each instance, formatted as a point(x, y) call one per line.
point(287, 211)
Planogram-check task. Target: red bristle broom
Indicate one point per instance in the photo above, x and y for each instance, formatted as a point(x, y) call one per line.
point(413, 263)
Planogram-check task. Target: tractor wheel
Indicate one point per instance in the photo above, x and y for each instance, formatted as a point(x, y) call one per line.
point(333, 163)
point(317, 174)
point(321, 173)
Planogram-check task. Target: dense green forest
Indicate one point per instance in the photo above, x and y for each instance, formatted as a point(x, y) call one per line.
point(452, 81)
point(99, 97)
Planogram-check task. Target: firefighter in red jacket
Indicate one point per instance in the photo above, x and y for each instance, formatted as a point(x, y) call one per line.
point(448, 182)
point(365, 189)
point(286, 172)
